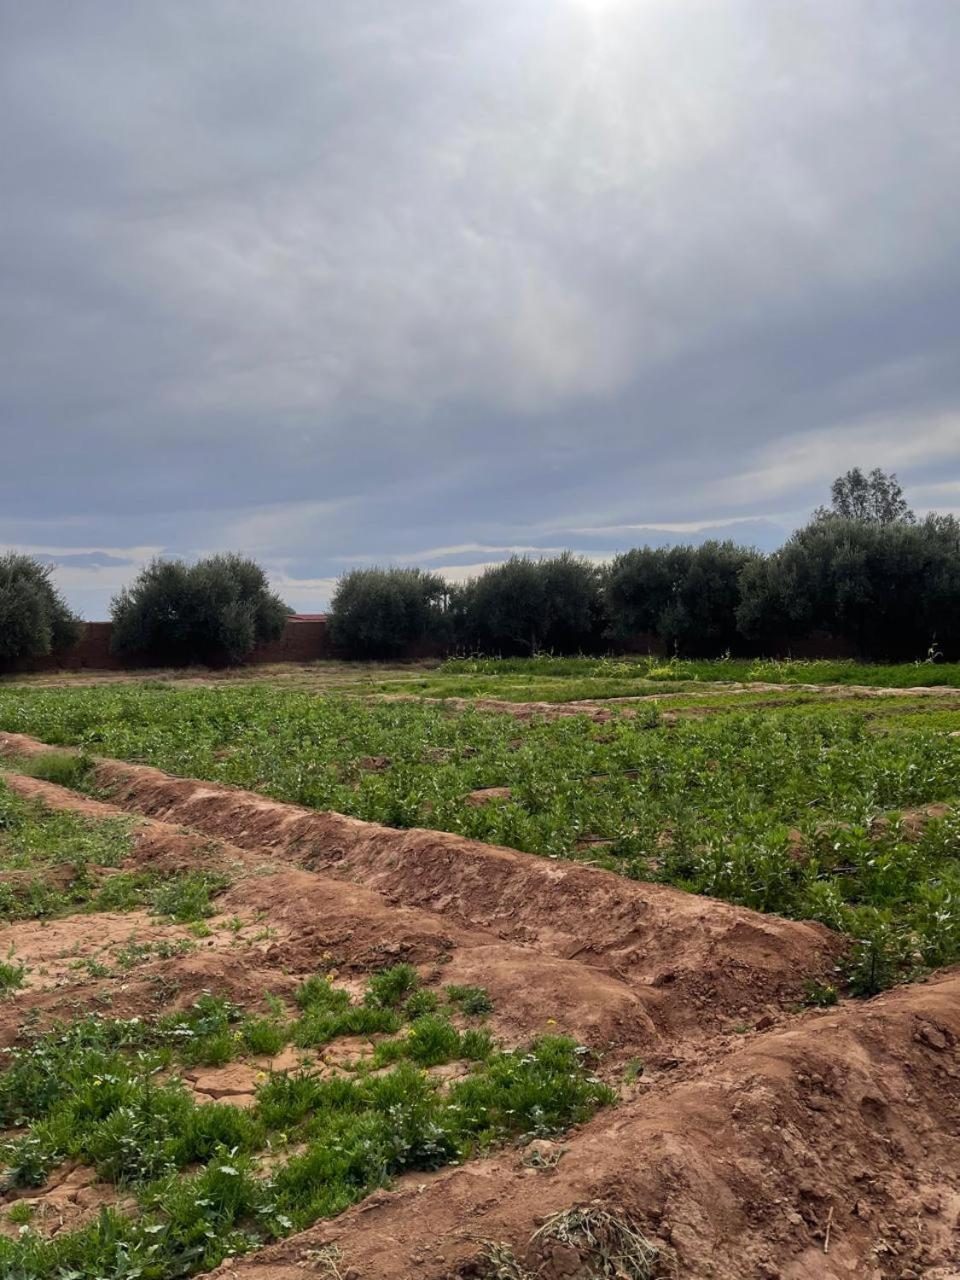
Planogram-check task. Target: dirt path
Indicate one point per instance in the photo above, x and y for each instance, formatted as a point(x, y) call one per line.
point(757, 1141)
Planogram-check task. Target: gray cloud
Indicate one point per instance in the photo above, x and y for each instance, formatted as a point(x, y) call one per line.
point(340, 283)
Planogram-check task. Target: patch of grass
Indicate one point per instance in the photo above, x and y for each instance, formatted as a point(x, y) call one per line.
point(318, 995)
point(93, 1091)
point(264, 1036)
point(921, 673)
point(390, 988)
point(37, 844)
point(318, 1027)
point(187, 897)
point(20, 1212)
point(420, 1003)
point(66, 768)
point(472, 1000)
point(634, 1070)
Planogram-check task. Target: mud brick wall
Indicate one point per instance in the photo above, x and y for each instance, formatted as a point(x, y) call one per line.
point(303, 640)
point(307, 639)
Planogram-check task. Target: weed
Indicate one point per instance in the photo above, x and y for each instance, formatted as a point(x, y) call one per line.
point(820, 995)
point(66, 768)
point(11, 975)
point(472, 1000)
point(187, 897)
point(390, 988)
point(420, 1003)
point(263, 1035)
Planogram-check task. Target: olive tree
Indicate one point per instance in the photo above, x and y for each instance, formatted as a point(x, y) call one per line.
point(34, 619)
point(213, 612)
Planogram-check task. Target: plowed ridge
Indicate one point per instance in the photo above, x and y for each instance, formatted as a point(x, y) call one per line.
point(757, 1141)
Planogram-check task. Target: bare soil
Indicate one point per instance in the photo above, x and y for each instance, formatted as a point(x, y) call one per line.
point(753, 1141)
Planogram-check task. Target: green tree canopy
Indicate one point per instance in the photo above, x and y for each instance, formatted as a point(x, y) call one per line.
point(34, 619)
point(383, 613)
point(876, 498)
point(215, 611)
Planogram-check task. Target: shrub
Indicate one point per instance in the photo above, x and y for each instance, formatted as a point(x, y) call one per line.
point(527, 606)
point(34, 620)
point(215, 611)
point(383, 613)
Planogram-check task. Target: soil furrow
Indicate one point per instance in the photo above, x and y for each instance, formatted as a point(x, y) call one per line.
point(733, 1155)
point(850, 1119)
point(715, 960)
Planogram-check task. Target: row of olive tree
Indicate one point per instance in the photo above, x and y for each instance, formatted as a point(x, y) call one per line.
point(864, 572)
point(885, 592)
point(212, 612)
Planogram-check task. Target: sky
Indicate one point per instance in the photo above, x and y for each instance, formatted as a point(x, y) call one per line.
point(362, 282)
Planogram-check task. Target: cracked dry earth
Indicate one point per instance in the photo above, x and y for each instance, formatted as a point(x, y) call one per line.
point(759, 1140)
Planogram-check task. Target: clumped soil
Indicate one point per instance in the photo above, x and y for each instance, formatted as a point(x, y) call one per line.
point(753, 1138)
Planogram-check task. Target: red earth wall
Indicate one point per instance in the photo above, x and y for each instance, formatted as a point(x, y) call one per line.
point(307, 639)
point(303, 640)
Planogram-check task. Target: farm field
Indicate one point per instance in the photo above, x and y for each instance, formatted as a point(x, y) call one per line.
point(231, 1013)
point(795, 809)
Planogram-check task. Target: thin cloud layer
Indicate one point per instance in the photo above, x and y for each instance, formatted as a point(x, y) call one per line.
point(329, 284)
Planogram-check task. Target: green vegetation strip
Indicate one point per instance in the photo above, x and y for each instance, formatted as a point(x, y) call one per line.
point(622, 676)
point(102, 1092)
point(54, 863)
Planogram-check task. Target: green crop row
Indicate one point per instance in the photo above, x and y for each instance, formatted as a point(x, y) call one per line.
point(893, 675)
point(53, 863)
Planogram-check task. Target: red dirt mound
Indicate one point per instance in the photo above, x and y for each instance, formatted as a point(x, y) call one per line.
point(286, 923)
point(721, 958)
point(826, 1152)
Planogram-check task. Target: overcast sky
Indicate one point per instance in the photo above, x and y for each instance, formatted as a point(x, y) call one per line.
point(339, 282)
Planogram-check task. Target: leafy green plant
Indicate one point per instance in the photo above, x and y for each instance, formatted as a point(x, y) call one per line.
point(187, 897)
point(820, 995)
point(472, 1000)
point(11, 976)
point(390, 988)
point(94, 1091)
